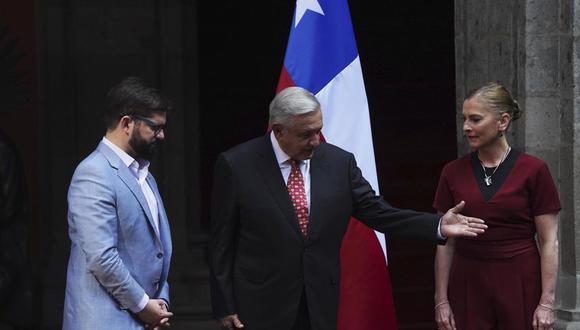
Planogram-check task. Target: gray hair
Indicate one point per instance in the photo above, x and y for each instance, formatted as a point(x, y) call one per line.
point(290, 102)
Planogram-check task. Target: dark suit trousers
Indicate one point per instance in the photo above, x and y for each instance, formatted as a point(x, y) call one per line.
point(303, 318)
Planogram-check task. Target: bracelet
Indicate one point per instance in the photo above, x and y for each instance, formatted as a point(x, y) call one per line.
point(441, 304)
point(546, 307)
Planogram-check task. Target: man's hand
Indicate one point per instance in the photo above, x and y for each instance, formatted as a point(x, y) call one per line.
point(230, 322)
point(164, 322)
point(454, 224)
point(155, 314)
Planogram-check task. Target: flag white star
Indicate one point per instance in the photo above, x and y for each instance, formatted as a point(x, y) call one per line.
point(303, 5)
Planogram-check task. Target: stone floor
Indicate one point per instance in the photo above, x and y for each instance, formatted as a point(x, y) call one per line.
point(193, 325)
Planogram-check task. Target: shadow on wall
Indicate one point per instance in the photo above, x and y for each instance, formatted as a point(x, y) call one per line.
point(15, 270)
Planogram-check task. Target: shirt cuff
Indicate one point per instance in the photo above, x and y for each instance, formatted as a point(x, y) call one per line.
point(141, 305)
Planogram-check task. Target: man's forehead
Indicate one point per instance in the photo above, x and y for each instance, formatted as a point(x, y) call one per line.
point(306, 128)
point(309, 116)
point(308, 122)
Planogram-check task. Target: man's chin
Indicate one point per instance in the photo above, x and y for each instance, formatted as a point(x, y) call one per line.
point(308, 156)
point(149, 153)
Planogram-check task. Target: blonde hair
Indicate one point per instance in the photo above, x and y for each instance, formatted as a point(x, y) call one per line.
point(498, 98)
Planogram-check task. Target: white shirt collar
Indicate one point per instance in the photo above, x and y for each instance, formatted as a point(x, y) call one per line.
point(281, 156)
point(139, 168)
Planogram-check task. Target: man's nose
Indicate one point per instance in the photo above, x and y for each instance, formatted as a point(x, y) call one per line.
point(315, 141)
point(161, 134)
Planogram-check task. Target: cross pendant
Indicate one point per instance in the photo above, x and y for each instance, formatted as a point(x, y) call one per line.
point(488, 180)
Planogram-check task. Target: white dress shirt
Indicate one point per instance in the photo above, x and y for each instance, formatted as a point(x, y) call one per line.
point(285, 166)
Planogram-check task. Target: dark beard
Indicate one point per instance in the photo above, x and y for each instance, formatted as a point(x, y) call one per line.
point(142, 148)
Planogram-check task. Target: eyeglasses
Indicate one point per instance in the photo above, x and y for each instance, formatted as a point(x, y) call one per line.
point(156, 127)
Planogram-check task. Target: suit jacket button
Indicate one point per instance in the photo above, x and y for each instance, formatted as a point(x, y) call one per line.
point(159, 255)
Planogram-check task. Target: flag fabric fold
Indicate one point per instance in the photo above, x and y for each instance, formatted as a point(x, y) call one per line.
point(322, 57)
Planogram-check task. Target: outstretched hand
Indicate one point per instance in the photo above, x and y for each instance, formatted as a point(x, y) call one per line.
point(454, 224)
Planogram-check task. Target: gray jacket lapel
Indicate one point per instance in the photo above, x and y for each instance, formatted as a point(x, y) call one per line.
point(164, 233)
point(130, 181)
point(160, 207)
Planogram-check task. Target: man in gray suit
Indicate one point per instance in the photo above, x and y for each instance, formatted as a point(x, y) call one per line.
point(120, 237)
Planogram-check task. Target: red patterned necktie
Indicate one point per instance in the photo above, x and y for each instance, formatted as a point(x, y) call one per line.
point(298, 196)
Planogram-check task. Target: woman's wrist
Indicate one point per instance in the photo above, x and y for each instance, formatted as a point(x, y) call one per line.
point(548, 300)
point(442, 303)
point(440, 298)
point(546, 307)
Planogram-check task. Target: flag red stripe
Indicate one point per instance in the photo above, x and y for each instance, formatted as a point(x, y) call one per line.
point(284, 81)
point(366, 300)
point(365, 297)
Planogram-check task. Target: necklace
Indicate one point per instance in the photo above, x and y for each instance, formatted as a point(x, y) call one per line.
point(487, 178)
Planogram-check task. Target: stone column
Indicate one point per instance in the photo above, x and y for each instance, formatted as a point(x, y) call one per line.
point(489, 47)
point(531, 46)
point(568, 297)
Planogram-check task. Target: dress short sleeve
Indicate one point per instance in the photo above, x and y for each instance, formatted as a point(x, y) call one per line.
point(544, 196)
point(443, 196)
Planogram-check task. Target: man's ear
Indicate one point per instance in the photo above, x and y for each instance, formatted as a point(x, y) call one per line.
point(277, 129)
point(126, 123)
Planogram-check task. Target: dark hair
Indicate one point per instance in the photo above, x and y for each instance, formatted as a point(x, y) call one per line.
point(133, 97)
point(498, 98)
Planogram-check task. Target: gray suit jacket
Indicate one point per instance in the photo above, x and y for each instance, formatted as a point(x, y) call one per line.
point(116, 254)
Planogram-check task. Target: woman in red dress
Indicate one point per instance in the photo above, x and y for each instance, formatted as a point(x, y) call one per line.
point(503, 279)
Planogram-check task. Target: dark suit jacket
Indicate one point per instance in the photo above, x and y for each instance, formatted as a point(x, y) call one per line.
point(15, 275)
point(260, 263)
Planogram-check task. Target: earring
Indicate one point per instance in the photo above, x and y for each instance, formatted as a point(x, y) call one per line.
point(500, 133)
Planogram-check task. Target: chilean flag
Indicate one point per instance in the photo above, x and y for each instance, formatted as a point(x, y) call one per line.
point(322, 57)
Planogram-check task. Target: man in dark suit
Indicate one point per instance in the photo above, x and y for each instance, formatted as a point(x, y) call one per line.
point(16, 295)
point(281, 205)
